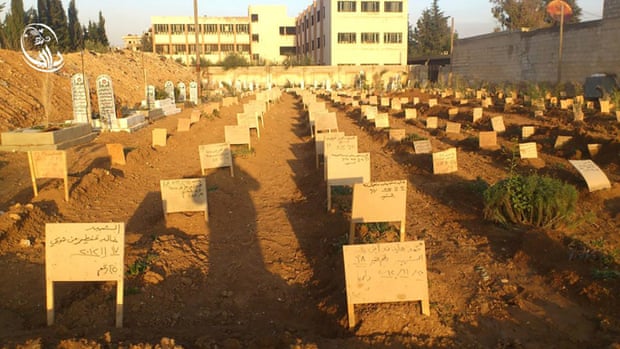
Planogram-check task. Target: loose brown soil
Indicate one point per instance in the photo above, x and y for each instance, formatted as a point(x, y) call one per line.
point(266, 270)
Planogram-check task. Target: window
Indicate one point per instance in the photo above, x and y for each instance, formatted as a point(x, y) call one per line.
point(392, 38)
point(242, 28)
point(346, 6)
point(211, 28)
point(178, 49)
point(254, 17)
point(228, 47)
point(312, 45)
point(211, 48)
point(255, 37)
point(190, 28)
point(287, 50)
point(161, 49)
point(243, 48)
point(346, 38)
point(287, 31)
point(318, 16)
point(393, 6)
point(312, 20)
point(371, 6)
point(226, 28)
point(255, 57)
point(161, 29)
point(370, 38)
point(178, 29)
point(318, 43)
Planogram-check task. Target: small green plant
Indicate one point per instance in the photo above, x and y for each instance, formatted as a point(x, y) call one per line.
point(411, 137)
point(606, 274)
point(530, 200)
point(141, 264)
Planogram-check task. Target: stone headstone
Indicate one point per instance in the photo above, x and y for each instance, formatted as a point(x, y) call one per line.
point(445, 161)
point(477, 114)
point(527, 131)
point(81, 99)
point(182, 92)
point(528, 150)
point(105, 97)
point(169, 88)
point(193, 92)
point(487, 139)
point(498, 124)
point(422, 146)
point(150, 97)
point(431, 122)
point(411, 114)
point(595, 177)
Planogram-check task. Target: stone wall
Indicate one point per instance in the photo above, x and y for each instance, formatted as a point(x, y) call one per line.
point(611, 8)
point(589, 47)
point(283, 76)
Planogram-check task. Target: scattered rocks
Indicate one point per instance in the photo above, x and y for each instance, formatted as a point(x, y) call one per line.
point(25, 243)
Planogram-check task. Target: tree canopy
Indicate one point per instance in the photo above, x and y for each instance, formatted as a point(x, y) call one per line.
point(431, 34)
point(517, 14)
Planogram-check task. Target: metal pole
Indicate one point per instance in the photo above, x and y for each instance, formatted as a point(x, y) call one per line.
point(196, 31)
point(561, 43)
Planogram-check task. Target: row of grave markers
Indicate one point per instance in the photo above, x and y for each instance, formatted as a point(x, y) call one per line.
point(374, 273)
point(95, 251)
point(446, 161)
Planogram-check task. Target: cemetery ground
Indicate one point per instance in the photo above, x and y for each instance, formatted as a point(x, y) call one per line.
point(266, 269)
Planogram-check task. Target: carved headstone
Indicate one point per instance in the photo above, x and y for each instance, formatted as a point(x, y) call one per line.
point(182, 92)
point(169, 88)
point(105, 97)
point(80, 96)
point(193, 92)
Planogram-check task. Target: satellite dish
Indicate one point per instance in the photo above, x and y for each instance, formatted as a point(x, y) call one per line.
point(557, 8)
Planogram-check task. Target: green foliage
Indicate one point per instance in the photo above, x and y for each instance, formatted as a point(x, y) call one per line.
point(58, 22)
point(530, 200)
point(147, 42)
point(141, 264)
point(431, 34)
point(75, 28)
point(233, 61)
point(14, 25)
point(517, 14)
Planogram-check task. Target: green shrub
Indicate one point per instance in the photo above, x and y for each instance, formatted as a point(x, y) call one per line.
point(530, 200)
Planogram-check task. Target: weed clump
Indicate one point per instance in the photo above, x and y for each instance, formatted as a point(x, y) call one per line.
point(530, 200)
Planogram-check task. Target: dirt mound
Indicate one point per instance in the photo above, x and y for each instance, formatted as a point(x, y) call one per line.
point(26, 94)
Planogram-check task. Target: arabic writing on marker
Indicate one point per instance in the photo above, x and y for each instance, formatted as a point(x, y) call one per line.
point(98, 252)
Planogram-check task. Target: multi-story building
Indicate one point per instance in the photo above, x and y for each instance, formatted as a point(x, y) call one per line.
point(175, 37)
point(328, 32)
point(331, 32)
point(272, 34)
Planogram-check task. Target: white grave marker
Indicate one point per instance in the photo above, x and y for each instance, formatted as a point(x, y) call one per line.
point(411, 114)
point(387, 272)
point(498, 124)
point(215, 156)
point(184, 195)
point(431, 122)
point(379, 202)
point(237, 135)
point(346, 169)
point(48, 164)
point(445, 162)
point(169, 88)
point(84, 252)
point(527, 131)
point(182, 92)
point(422, 146)
point(528, 150)
point(193, 92)
point(80, 96)
point(105, 97)
point(595, 178)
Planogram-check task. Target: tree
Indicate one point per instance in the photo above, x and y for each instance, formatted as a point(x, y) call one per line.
point(517, 14)
point(101, 35)
point(58, 23)
point(146, 42)
point(234, 60)
point(44, 12)
point(432, 33)
point(14, 25)
point(75, 28)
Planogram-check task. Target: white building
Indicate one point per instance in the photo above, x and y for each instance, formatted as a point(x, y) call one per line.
point(328, 32)
point(331, 32)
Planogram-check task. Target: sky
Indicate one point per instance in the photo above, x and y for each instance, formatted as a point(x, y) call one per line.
point(122, 17)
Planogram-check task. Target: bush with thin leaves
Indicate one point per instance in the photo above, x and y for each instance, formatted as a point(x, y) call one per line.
point(530, 200)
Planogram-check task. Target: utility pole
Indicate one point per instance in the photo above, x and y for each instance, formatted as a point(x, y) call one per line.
point(561, 44)
point(197, 31)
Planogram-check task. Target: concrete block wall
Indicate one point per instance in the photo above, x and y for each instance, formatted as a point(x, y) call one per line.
point(611, 8)
point(588, 48)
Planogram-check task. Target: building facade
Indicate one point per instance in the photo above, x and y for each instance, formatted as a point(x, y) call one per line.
point(132, 42)
point(328, 32)
point(331, 32)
